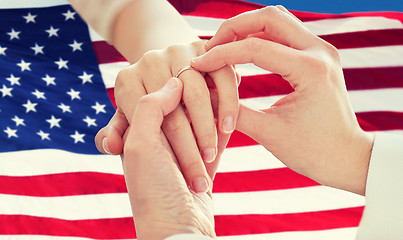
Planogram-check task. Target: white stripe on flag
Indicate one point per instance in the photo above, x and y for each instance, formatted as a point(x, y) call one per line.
point(331, 234)
point(51, 161)
point(97, 206)
point(205, 26)
point(362, 100)
point(109, 72)
point(31, 3)
point(117, 205)
point(298, 200)
point(248, 158)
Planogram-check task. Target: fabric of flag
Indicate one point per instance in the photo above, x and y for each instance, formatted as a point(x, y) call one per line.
point(56, 87)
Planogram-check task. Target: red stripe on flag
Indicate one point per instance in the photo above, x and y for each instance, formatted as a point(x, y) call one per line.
point(374, 38)
point(239, 139)
point(356, 79)
point(71, 184)
point(371, 38)
point(380, 121)
point(226, 225)
point(262, 180)
point(63, 184)
point(106, 53)
point(373, 78)
point(114, 228)
point(307, 221)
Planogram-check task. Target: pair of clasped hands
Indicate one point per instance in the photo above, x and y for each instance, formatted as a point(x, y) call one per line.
point(172, 131)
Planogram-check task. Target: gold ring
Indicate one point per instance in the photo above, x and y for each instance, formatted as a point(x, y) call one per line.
point(185, 69)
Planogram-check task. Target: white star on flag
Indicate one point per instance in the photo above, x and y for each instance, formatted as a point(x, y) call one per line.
point(14, 34)
point(64, 108)
point(74, 94)
point(24, 65)
point(54, 122)
point(76, 46)
point(11, 132)
point(52, 31)
point(78, 137)
point(6, 91)
point(3, 51)
point(90, 121)
point(43, 135)
point(14, 80)
point(86, 77)
point(37, 49)
point(30, 106)
point(49, 80)
point(62, 63)
point(69, 15)
point(30, 18)
point(38, 94)
point(18, 121)
point(99, 107)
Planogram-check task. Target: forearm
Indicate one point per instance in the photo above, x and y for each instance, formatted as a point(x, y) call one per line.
point(145, 25)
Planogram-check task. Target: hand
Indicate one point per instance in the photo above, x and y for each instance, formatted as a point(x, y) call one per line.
point(312, 130)
point(161, 202)
point(190, 129)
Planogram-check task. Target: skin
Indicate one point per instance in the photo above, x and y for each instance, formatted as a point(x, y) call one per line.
point(158, 192)
point(313, 130)
point(155, 37)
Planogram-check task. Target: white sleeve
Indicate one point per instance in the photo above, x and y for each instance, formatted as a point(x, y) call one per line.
point(383, 214)
point(188, 236)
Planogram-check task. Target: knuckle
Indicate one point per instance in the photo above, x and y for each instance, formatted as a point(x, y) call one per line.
point(151, 58)
point(148, 100)
point(333, 52)
point(173, 49)
point(207, 139)
point(172, 126)
point(254, 45)
point(317, 64)
point(188, 165)
point(270, 10)
point(194, 95)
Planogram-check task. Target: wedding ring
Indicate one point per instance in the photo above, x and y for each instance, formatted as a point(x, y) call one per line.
point(185, 69)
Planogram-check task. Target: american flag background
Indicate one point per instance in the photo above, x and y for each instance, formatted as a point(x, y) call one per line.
point(56, 91)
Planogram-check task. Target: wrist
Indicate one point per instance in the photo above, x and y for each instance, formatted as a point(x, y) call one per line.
point(152, 229)
point(359, 157)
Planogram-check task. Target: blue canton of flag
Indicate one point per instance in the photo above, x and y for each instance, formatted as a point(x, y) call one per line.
point(51, 91)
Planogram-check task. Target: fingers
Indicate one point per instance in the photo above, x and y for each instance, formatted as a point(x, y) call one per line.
point(196, 98)
point(268, 55)
point(261, 126)
point(226, 82)
point(109, 139)
point(152, 108)
point(275, 22)
point(179, 134)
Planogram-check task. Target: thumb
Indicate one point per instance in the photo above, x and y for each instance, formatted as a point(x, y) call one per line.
point(259, 125)
point(152, 108)
point(109, 138)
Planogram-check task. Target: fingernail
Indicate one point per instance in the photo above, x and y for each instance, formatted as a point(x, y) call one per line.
point(200, 185)
point(228, 124)
point(105, 146)
point(195, 60)
point(209, 154)
point(172, 84)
